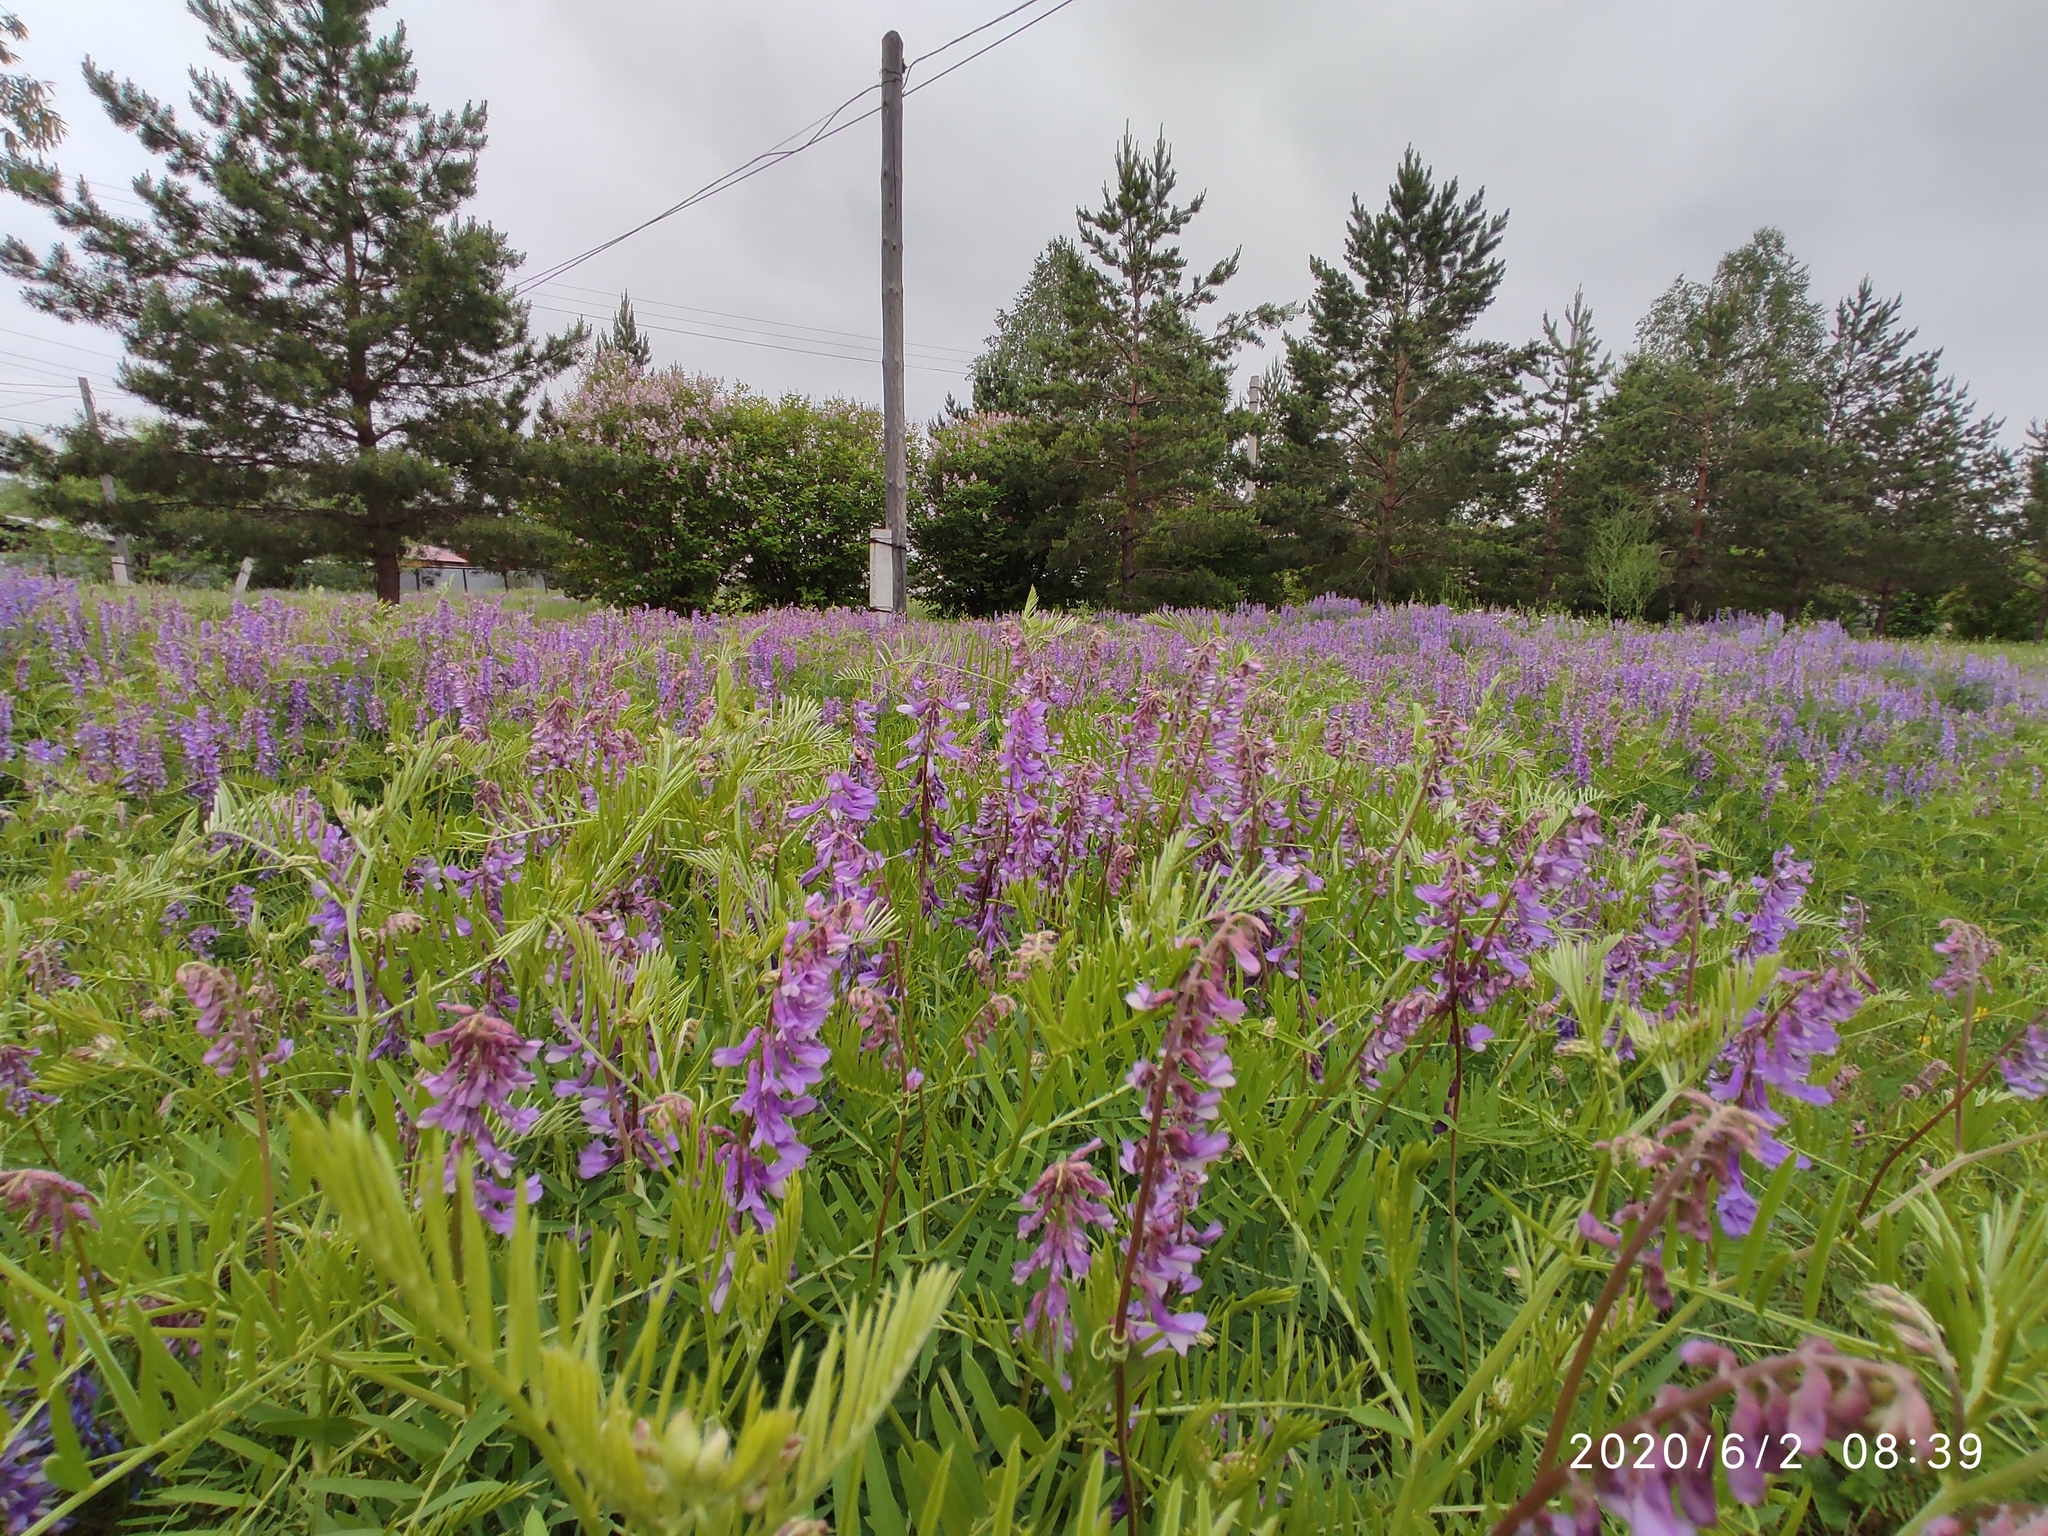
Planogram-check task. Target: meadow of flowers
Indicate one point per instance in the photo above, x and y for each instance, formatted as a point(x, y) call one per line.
point(1330, 1069)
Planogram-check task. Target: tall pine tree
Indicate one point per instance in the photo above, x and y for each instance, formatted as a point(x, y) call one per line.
point(2033, 527)
point(1398, 414)
point(1570, 369)
point(327, 340)
point(1098, 464)
point(1713, 427)
point(625, 338)
point(1141, 392)
point(1916, 477)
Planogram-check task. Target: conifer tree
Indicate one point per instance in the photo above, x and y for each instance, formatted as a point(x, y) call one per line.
point(1570, 369)
point(1139, 391)
point(1398, 412)
point(1097, 463)
point(29, 124)
point(625, 338)
point(1714, 424)
point(2033, 527)
point(1915, 476)
point(327, 340)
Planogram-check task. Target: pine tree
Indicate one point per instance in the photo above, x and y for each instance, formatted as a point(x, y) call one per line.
point(1398, 413)
point(1916, 476)
point(1569, 371)
point(2033, 527)
point(1714, 423)
point(327, 339)
point(29, 124)
point(1015, 371)
point(1140, 393)
point(625, 338)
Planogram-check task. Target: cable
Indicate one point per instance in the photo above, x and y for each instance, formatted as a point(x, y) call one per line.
point(782, 329)
point(51, 341)
point(1034, 21)
point(814, 134)
point(671, 330)
point(993, 21)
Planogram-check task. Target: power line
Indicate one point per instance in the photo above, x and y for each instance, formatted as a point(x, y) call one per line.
point(813, 134)
point(51, 341)
point(993, 21)
point(955, 371)
point(780, 330)
point(57, 370)
point(1026, 27)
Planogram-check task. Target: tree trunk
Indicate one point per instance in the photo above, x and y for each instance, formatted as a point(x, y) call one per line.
point(1552, 500)
point(1390, 483)
point(1127, 533)
point(384, 562)
point(1884, 607)
point(1693, 554)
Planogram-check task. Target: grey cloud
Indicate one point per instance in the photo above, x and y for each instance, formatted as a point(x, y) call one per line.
point(1632, 142)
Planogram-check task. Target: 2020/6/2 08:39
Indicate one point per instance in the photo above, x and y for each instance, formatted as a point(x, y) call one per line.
point(1779, 1452)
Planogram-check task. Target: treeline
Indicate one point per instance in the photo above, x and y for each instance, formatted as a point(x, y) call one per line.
point(339, 366)
point(1751, 448)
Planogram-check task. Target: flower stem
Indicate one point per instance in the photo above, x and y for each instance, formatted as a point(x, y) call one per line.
point(1963, 1091)
point(1963, 1059)
point(252, 1058)
point(1617, 1278)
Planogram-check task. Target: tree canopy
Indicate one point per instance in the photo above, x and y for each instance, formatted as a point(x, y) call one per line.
point(333, 351)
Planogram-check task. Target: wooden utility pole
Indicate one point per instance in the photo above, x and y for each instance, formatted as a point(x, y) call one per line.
point(92, 422)
point(895, 465)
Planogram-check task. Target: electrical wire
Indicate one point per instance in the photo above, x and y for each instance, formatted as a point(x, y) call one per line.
point(51, 341)
point(954, 371)
point(813, 134)
point(1034, 21)
point(775, 330)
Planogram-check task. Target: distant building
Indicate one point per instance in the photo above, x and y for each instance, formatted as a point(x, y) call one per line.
point(430, 568)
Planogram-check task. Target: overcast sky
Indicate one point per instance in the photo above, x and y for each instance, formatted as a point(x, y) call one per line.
point(1631, 142)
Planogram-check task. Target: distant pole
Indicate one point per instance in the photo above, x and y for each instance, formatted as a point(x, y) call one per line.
point(242, 576)
point(92, 421)
point(895, 465)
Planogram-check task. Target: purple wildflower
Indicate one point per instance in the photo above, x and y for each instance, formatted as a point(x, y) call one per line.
point(842, 813)
point(1183, 1092)
point(1969, 949)
point(1479, 957)
point(873, 1008)
point(1013, 834)
point(2025, 1066)
point(227, 1021)
point(621, 1125)
point(1777, 898)
point(45, 1199)
point(1397, 1027)
point(43, 963)
point(241, 904)
point(26, 1493)
point(931, 744)
point(785, 1058)
point(487, 1060)
point(1776, 1049)
point(1063, 1202)
point(18, 1079)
